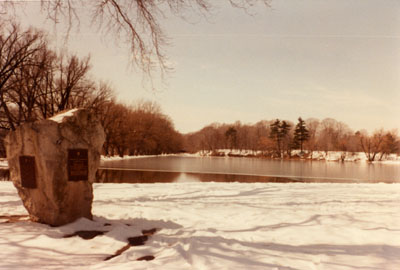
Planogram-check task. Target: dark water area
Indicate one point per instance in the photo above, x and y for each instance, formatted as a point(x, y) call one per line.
point(135, 176)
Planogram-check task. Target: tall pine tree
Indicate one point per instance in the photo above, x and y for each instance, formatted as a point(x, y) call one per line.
point(300, 134)
point(279, 130)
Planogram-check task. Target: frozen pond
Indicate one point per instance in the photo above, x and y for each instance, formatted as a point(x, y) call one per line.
point(227, 169)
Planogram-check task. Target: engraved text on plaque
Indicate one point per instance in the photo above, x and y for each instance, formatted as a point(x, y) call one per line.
point(78, 165)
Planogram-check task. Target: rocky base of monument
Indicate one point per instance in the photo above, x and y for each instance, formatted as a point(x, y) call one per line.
point(53, 164)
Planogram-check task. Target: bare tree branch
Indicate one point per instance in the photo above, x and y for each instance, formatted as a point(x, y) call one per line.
point(135, 22)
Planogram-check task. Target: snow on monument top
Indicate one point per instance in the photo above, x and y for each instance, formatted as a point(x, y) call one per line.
point(60, 117)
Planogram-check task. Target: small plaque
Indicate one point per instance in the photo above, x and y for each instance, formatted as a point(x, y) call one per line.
point(78, 165)
point(27, 171)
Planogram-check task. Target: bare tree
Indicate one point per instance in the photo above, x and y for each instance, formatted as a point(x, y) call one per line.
point(72, 73)
point(312, 143)
point(326, 134)
point(341, 139)
point(136, 22)
point(36, 83)
point(390, 144)
point(27, 85)
point(98, 97)
point(371, 145)
point(17, 49)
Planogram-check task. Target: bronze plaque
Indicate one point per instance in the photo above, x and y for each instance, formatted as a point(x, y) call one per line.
point(27, 171)
point(78, 167)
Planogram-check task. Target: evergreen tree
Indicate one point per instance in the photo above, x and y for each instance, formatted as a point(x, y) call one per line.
point(284, 132)
point(284, 129)
point(279, 131)
point(274, 134)
point(300, 134)
point(275, 130)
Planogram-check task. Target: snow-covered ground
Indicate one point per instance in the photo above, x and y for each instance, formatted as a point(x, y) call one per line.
point(216, 226)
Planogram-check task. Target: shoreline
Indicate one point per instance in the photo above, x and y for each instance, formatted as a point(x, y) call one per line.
point(331, 156)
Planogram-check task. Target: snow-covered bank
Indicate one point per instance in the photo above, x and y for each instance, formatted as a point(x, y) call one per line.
point(315, 155)
point(3, 163)
point(217, 226)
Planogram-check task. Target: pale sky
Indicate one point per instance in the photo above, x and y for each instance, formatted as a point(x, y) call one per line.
point(309, 58)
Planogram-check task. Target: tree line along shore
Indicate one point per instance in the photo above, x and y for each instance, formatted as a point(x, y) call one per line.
point(284, 139)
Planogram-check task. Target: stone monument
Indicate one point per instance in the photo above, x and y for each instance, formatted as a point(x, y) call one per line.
point(53, 164)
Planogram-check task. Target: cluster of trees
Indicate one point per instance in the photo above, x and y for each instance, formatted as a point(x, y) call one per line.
point(379, 144)
point(278, 138)
point(37, 83)
point(139, 129)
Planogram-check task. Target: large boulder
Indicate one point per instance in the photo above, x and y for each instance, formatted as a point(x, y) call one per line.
point(53, 164)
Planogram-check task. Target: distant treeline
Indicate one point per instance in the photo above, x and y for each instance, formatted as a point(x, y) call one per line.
point(278, 139)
